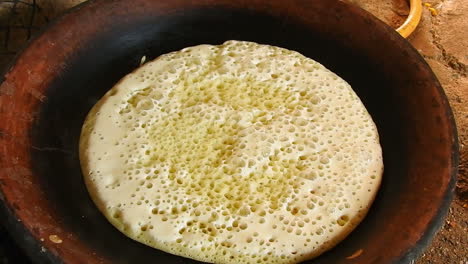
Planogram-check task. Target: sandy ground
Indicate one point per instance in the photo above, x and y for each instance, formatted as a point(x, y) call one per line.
point(442, 39)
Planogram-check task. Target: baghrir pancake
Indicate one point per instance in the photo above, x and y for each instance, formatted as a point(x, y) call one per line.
point(236, 153)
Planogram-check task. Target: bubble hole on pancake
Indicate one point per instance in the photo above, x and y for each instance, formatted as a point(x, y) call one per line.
point(236, 153)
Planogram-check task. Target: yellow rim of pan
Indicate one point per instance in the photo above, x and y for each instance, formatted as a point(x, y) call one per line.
point(413, 19)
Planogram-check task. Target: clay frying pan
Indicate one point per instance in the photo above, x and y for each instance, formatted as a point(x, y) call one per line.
point(48, 90)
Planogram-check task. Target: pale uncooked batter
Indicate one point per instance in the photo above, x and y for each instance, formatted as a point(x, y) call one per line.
point(237, 153)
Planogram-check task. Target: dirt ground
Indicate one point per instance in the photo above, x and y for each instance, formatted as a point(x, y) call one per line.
point(442, 39)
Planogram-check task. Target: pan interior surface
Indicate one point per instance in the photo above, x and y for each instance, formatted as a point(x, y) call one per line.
point(118, 52)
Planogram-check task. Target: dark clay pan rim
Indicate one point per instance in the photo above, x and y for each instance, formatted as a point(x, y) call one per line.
point(36, 252)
